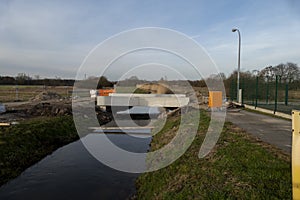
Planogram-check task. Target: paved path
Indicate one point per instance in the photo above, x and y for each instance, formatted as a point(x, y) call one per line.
point(272, 130)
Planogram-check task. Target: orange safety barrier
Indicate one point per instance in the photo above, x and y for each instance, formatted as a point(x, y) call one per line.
point(105, 92)
point(215, 99)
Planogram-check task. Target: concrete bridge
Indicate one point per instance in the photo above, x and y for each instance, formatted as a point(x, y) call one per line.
point(122, 101)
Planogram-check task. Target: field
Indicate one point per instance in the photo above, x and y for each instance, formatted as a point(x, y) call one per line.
point(10, 93)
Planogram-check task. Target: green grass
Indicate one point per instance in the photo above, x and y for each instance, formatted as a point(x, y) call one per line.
point(25, 144)
point(128, 89)
point(125, 89)
point(140, 91)
point(239, 167)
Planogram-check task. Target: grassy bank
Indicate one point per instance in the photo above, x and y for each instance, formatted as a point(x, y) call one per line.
point(239, 167)
point(25, 144)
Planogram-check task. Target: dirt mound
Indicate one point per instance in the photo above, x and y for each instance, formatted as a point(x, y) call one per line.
point(44, 96)
point(47, 109)
point(155, 88)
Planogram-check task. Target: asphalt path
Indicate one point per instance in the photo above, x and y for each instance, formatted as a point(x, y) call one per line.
point(275, 131)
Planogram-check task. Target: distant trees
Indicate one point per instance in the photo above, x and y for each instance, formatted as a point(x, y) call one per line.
point(23, 79)
point(37, 77)
point(93, 81)
point(7, 80)
point(268, 73)
point(245, 77)
point(130, 82)
point(288, 72)
point(104, 82)
point(23, 76)
point(197, 83)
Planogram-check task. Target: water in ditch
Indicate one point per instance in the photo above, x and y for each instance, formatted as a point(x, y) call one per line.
point(72, 173)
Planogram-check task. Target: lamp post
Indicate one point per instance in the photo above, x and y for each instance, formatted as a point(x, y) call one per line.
point(239, 64)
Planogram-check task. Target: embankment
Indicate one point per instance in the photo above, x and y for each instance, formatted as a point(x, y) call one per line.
point(24, 144)
point(239, 167)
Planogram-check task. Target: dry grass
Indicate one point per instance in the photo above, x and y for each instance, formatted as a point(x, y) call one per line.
point(8, 92)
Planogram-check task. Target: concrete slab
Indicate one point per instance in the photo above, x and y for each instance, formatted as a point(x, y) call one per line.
point(146, 95)
point(275, 131)
point(144, 100)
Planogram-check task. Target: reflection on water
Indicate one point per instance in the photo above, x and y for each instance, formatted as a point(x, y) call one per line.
point(72, 173)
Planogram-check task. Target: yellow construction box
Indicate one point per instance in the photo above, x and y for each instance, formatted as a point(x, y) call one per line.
point(215, 99)
point(296, 153)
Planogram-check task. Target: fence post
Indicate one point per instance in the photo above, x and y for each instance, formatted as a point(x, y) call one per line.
point(256, 92)
point(276, 94)
point(17, 93)
point(231, 90)
point(296, 153)
point(286, 93)
point(243, 89)
point(267, 92)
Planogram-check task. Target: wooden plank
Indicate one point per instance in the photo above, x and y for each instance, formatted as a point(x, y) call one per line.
point(296, 154)
point(4, 124)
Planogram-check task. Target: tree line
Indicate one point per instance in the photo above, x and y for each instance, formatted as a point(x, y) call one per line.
point(23, 79)
point(287, 73)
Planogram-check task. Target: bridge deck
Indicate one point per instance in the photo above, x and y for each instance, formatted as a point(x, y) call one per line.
point(151, 100)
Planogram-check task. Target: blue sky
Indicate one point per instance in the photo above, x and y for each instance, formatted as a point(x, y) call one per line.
point(51, 38)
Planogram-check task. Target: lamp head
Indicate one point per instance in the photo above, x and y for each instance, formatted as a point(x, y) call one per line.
point(234, 30)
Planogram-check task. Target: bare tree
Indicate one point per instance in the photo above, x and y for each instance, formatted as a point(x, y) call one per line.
point(293, 72)
point(288, 72)
point(22, 78)
point(37, 77)
point(268, 73)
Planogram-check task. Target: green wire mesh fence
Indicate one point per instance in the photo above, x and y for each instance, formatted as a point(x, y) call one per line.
point(275, 95)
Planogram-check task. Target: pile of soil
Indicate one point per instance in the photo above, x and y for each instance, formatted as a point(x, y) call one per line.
point(50, 109)
point(44, 96)
point(62, 109)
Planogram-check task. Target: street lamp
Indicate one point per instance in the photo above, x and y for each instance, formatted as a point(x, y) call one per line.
point(239, 64)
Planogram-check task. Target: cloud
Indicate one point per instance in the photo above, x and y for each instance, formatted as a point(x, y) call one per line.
point(54, 36)
point(266, 40)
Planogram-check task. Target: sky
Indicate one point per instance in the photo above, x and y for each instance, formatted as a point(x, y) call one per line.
point(52, 38)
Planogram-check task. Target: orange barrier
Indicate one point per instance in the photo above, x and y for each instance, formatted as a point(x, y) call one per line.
point(105, 92)
point(215, 99)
